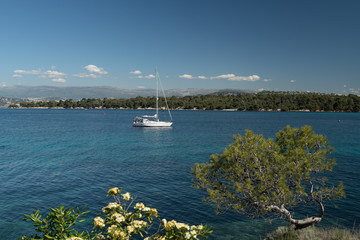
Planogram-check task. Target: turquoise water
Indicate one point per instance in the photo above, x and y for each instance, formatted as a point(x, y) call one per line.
point(71, 157)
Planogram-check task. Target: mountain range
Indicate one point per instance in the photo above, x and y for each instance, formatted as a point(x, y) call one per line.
point(54, 92)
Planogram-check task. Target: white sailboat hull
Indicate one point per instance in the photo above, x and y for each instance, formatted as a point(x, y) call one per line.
point(152, 124)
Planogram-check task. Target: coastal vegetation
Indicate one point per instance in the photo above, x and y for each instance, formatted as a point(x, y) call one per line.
point(256, 177)
point(119, 220)
point(263, 101)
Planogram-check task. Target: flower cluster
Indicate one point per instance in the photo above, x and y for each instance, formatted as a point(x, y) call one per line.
point(112, 206)
point(188, 232)
point(99, 222)
point(114, 191)
point(122, 222)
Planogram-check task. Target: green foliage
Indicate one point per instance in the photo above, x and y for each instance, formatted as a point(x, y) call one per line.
point(255, 176)
point(13, 106)
point(285, 101)
point(58, 224)
point(122, 221)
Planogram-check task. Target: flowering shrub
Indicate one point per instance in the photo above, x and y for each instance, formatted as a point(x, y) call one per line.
point(122, 220)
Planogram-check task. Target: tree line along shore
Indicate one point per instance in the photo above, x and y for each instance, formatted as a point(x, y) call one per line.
point(263, 101)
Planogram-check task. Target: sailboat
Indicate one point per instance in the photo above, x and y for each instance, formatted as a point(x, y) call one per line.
point(154, 121)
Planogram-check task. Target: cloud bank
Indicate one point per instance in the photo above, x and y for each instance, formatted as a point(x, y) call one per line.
point(60, 77)
point(230, 77)
point(54, 76)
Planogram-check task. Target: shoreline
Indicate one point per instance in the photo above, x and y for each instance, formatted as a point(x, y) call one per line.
point(183, 109)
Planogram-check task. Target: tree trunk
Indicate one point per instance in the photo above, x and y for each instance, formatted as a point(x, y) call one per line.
point(302, 223)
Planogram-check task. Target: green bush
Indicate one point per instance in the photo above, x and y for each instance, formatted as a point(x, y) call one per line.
point(121, 220)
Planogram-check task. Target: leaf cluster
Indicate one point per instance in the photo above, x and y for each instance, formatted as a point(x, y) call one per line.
point(58, 224)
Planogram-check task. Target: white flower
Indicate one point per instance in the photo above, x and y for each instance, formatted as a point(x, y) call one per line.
point(118, 217)
point(112, 205)
point(153, 211)
point(182, 225)
point(146, 209)
point(187, 235)
point(130, 229)
point(139, 206)
point(117, 233)
point(126, 196)
point(112, 228)
point(139, 223)
point(171, 224)
point(113, 191)
point(99, 222)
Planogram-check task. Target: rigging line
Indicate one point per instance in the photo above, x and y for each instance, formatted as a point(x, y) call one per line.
point(162, 89)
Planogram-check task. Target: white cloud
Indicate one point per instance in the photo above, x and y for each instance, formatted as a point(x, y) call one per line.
point(150, 76)
point(141, 87)
point(3, 84)
point(136, 72)
point(186, 76)
point(86, 75)
point(48, 73)
point(230, 75)
point(292, 81)
point(32, 72)
point(345, 86)
point(267, 80)
point(95, 69)
point(60, 80)
point(95, 72)
point(54, 74)
point(251, 78)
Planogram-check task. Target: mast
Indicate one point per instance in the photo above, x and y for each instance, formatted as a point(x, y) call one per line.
point(157, 94)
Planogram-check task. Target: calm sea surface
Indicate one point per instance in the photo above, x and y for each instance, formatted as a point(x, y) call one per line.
point(71, 157)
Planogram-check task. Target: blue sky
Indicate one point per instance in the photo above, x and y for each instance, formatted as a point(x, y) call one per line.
point(271, 44)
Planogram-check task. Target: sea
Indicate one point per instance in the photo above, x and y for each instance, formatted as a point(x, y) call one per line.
point(71, 157)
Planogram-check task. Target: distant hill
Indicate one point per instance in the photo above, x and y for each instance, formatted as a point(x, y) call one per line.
point(53, 92)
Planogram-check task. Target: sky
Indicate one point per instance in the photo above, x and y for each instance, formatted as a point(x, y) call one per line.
point(277, 45)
